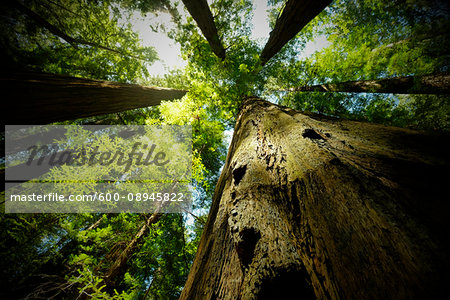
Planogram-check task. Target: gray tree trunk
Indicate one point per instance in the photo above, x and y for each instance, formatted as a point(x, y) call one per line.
point(325, 208)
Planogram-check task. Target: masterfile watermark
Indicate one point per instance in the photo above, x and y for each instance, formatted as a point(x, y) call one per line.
point(119, 168)
point(105, 158)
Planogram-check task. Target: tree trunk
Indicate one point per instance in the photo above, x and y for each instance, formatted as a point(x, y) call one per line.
point(38, 98)
point(325, 208)
point(202, 15)
point(296, 14)
point(115, 273)
point(428, 84)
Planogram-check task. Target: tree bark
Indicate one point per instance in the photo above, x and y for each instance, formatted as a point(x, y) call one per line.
point(325, 208)
point(202, 15)
point(428, 84)
point(296, 14)
point(38, 98)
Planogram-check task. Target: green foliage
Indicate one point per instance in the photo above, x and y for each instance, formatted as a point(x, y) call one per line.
point(91, 40)
point(208, 140)
point(386, 38)
point(164, 261)
point(220, 85)
point(371, 40)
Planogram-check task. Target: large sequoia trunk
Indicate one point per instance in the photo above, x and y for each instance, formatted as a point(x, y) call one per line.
point(325, 208)
point(41, 98)
point(428, 84)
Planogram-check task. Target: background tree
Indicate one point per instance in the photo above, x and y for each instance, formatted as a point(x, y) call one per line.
point(71, 255)
point(38, 96)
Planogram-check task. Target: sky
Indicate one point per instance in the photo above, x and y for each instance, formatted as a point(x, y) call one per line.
point(169, 51)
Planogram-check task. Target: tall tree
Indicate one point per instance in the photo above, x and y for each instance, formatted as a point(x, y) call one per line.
point(41, 98)
point(429, 84)
point(115, 272)
point(295, 15)
point(202, 15)
point(318, 207)
point(365, 42)
point(330, 207)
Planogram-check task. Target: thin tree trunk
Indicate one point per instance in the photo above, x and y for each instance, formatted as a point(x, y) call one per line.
point(428, 84)
point(202, 15)
point(296, 14)
point(38, 98)
point(325, 208)
point(118, 268)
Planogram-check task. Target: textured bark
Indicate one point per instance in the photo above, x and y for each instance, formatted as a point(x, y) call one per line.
point(199, 10)
point(38, 98)
point(296, 14)
point(428, 84)
point(325, 208)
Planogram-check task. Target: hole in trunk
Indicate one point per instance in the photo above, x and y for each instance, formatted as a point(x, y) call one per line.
point(312, 134)
point(287, 284)
point(246, 247)
point(239, 173)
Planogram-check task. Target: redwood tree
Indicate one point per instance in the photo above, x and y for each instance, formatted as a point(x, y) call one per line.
point(40, 98)
point(296, 14)
point(306, 204)
point(202, 15)
point(428, 84)
point(313, 206)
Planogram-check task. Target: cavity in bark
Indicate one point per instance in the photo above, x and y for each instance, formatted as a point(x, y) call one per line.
point(311, 134)
point(287, 284)
point(239, 173)
point(245, 248)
